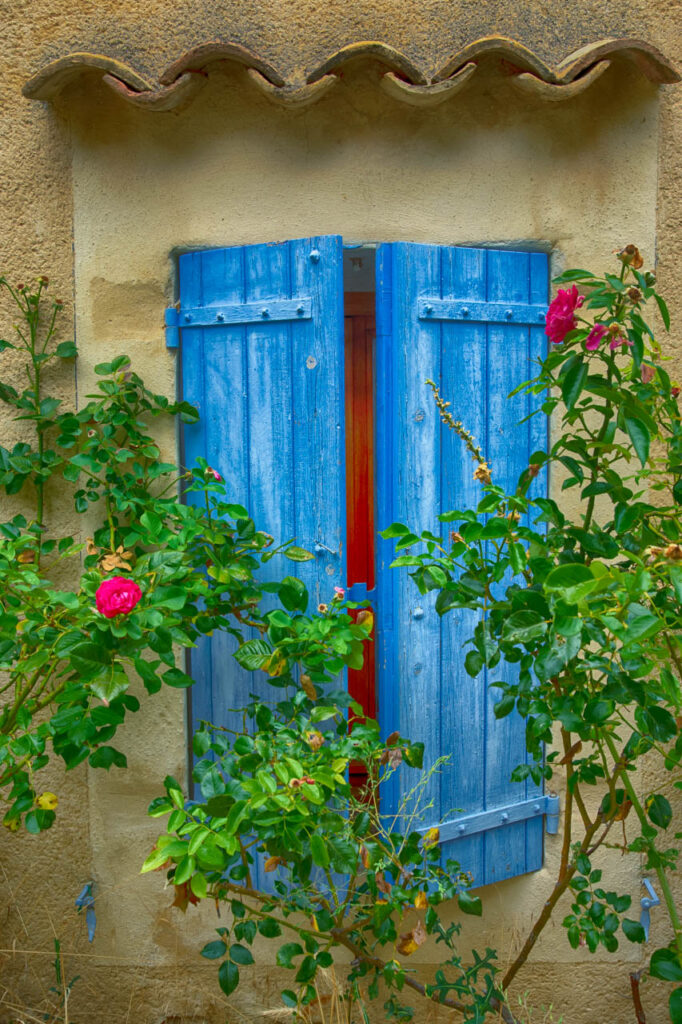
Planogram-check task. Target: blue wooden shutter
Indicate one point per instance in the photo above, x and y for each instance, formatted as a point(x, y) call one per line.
point(262, 359)
point(472, 320)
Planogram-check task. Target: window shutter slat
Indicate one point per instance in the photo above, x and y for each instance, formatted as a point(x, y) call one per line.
point(424, 690)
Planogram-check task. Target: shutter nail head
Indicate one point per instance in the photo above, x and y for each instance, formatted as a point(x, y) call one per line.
point(461, 828)
point(465, 311)
point(541, 316)
point(509, 314)
point(418, 613)
point(504, 816)
point(188, 317)
point(315, 256)
point(300, 310)
point(265, 312)
point(429, 310)
point(220, 317)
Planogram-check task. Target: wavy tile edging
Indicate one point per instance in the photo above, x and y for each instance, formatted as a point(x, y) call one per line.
point(403, 79)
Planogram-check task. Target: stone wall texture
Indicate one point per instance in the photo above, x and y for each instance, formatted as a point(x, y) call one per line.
point(98, 193)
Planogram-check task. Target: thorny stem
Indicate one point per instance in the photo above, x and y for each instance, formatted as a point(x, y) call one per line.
point(668, 897)
point(560, 887)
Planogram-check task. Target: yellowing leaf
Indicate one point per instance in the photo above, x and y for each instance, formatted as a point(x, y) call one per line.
point(276, 663)
point(272, 863)
point(366, 620)
point(314, 739)
point(412, 940)
point(47, 801)
point(431, 838)
point(308, 687)
point(421, 902)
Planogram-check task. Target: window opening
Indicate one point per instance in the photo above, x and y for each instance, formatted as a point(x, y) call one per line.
point(360, 331)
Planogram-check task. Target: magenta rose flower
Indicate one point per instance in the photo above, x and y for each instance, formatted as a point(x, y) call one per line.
point(117, 596)
point(214, 473)
point(594, 338)
point(561, 314)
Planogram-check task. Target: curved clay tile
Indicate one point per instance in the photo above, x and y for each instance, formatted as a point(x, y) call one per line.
point(426, 95)
point(293, 95)
point(516, 54)
point(51, 79)
point(169, 97)
point(403, 79)
point(651, 62)
point(393, 59)
point(201, 57)
point(549, 91)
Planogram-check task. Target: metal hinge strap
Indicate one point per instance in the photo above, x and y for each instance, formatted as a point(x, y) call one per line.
point(511, 814)
point(463, 311)
point(226, 314)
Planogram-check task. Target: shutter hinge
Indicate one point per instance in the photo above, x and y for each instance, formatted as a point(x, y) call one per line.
point(464, 311)
point(171, 318)
point(509, 814)
point(231, 314)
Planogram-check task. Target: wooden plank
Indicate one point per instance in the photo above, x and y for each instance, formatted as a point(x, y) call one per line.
point(508, 451)
point(416, 708)
point(318, 416)
point(464, 381)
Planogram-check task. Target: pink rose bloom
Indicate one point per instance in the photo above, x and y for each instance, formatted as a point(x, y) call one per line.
point(594, 338)
point(339, 593)
point(214, 473)
point(619, 340)
point(561, 314)
point(117, 596)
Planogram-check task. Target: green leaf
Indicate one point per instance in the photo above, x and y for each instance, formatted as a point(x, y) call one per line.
point(174, 677)
point(287, 952)
point(523, 626)
point(295, 554)
point(228, 977)
point(104, 757)
point(473, 663)
point(640, 437)
point(469, 904)
point(574, 275)
point(665, 965)
point(413, 754)
point(214, 950)
point(241, 955)
point(665, 315)
point(253, 654)
point(112, 682)
point(659, 810)
point(307, 970)
point(173, 598)
point(269, 928)
point(572, 383)
point(66, 350)
point(394, 530)
point(675, 1006)
point(318, 849)
point(633, 930)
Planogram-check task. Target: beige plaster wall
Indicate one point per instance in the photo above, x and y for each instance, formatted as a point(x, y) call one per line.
point(580, 178)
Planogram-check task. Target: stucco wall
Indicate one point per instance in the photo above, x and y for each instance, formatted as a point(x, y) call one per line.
point(578, 178)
